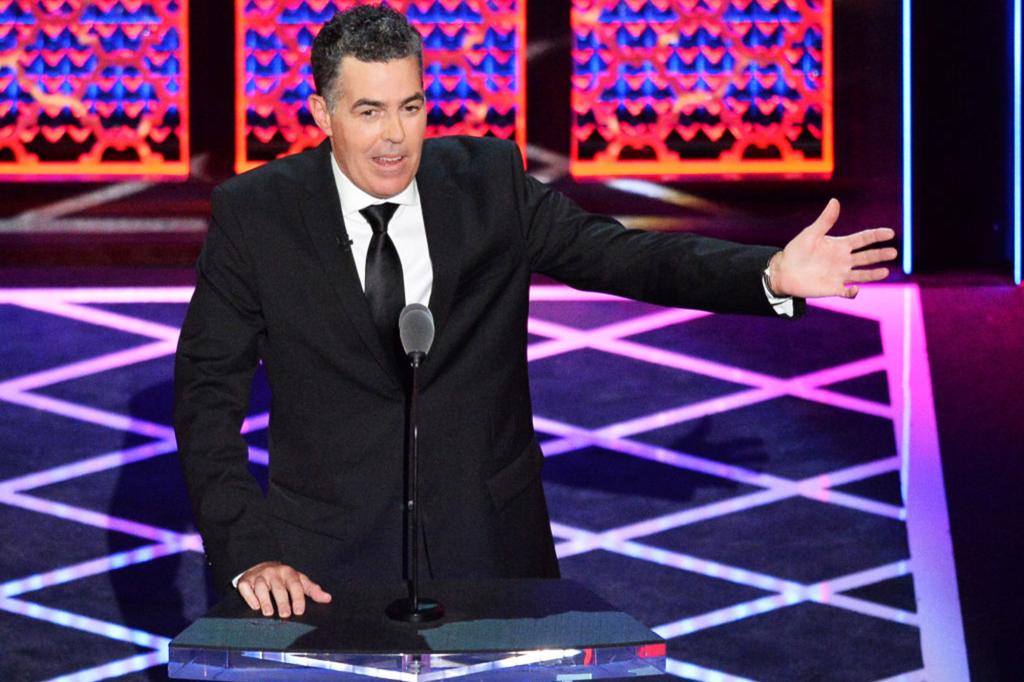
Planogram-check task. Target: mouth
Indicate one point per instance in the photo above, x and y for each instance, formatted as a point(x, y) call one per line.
point(387, 162)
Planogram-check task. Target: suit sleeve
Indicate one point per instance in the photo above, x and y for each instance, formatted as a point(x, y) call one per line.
point(214, 366)
point(597, 253)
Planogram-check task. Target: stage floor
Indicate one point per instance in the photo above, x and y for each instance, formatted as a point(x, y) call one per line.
point(767, 495)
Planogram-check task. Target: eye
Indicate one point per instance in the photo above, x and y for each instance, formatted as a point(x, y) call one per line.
point(366, 113)
point(413, 108)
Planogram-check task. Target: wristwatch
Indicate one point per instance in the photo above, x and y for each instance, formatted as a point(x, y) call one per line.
point(767, 280)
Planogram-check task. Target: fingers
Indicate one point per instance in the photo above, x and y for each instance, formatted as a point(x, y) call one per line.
point(281, 597)
point(272, 584)
point(314, 591)
point(858, 240)
point(245, 589)
point(297, 596)
point(872, 256)
point(262, 590)
point(827, 218)
point(874, 275)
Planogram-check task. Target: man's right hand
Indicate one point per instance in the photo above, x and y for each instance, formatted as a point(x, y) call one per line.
point(272, 582)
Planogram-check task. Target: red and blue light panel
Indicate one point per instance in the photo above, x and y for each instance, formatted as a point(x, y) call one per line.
point(93, 89)
point(474, 70)
point(702, 87)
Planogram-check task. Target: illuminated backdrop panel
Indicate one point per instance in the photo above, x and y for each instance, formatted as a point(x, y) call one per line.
point(93, 89)
point(474, 70)
point(701, 87)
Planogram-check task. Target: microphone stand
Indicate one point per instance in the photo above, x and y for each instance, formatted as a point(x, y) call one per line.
point(413, 609)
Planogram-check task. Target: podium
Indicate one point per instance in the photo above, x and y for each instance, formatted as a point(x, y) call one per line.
point(492, 630)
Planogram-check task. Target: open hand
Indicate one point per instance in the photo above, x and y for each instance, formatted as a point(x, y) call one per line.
point(814, 264)
point(272, 582)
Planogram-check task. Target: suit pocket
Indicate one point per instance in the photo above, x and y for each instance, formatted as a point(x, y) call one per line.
point(306, 513)
point(513, 478)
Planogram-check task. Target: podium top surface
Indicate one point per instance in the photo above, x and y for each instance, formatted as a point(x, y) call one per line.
point(484, 616)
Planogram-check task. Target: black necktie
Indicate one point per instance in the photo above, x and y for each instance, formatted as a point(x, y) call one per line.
point(385, 285)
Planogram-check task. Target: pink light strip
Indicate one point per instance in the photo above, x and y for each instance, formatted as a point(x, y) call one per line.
point(583, 541)
point(84, 623)
point(92, 518)
point(560, 292)
point(854, 473)
point(256, 422)
point(578, 438)
point(259, 456)
point(102, 318)
point(116, 668)
point(85, 569)
point(684, 413)
point(688, 363)
point(870, 576)
point(634, 325)
point(870, 608)
point(582, 544)
point(713, 569)
point(814, 488)
point(863, 504)
point(824, 592)
point(100, 295)
point(729, 614)
point(608, 339)
point(90, 414)
point(942, 635)
point(565, 339)
point(843, 401)
point(88, 466)
point(83, 368)
point(789, 592)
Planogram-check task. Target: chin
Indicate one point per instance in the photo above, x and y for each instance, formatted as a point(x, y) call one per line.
point(390, 186)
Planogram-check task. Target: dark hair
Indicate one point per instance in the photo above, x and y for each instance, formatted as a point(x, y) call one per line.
point(368, 33)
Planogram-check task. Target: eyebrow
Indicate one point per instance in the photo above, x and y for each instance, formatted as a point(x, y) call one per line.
point(418, 97)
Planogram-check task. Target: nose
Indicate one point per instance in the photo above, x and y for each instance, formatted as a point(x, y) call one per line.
point(394, 130)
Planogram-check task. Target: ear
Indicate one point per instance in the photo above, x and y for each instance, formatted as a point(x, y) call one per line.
point(321, 113)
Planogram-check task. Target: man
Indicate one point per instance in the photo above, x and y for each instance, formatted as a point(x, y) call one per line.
point(304, 269)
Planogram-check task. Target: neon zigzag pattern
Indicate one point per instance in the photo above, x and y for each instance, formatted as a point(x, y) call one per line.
point(895, 308)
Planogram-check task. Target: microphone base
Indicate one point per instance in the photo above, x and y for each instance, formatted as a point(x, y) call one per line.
point(427, 610)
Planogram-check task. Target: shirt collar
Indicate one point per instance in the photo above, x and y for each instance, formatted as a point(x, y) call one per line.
point(354, 199)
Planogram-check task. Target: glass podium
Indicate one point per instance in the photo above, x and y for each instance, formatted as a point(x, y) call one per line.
point(492, 630)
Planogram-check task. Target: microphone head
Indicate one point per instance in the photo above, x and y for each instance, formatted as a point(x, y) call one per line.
point(416, 329)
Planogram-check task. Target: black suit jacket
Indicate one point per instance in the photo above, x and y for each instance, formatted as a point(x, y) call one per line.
point(277, 282)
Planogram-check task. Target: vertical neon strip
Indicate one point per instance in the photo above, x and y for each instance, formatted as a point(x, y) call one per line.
point(1017, 179)
point(908, 225)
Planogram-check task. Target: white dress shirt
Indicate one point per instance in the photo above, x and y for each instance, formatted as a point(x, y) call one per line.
point(406, 230)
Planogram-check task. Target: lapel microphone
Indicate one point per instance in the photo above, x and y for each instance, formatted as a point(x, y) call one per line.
point(343, 242)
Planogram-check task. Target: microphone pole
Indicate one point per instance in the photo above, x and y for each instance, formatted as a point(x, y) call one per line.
point(416, 329)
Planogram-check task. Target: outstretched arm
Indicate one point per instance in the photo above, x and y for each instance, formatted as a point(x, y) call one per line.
point(814, 264)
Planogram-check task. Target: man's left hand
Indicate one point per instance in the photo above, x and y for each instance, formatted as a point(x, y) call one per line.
point(814, 264)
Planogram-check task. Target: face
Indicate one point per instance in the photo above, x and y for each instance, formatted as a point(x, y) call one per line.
point(376, 127)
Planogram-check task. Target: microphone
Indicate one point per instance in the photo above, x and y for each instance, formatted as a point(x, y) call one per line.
point(416, 329)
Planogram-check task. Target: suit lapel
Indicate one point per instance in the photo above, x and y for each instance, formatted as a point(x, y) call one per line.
point(439, 197)
point(321, 214)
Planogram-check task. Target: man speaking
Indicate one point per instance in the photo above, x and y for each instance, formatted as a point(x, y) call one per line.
point(309, 260)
